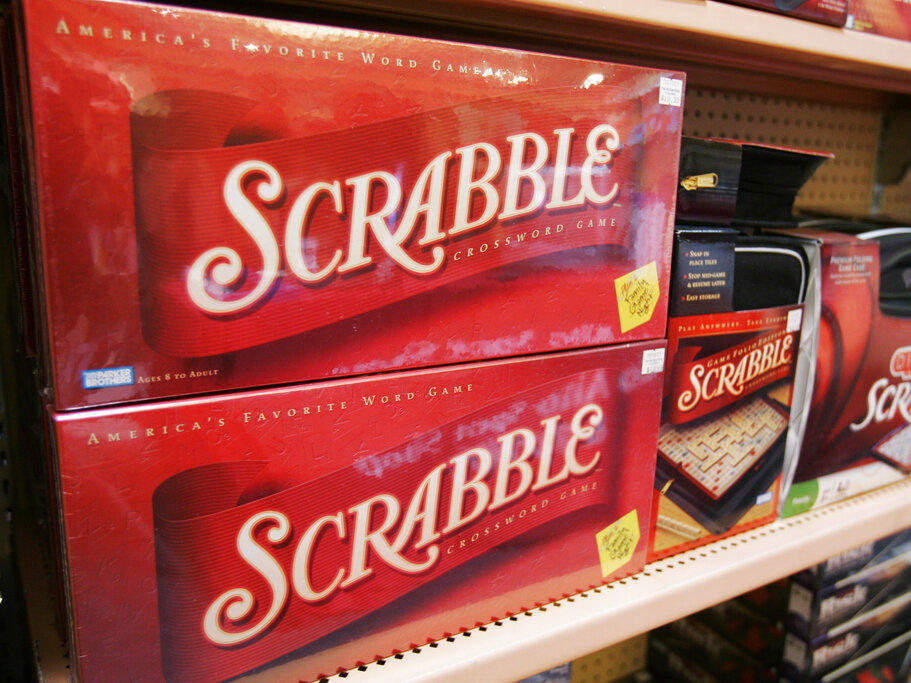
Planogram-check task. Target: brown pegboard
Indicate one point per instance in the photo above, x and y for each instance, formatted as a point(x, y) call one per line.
point(843, 185)
point(894, 202)
point(611, 663)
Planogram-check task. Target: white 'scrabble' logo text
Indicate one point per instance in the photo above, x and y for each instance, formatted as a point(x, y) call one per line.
point(392, 221)
point(886, 399)
point(730, 378)
point(380, 529)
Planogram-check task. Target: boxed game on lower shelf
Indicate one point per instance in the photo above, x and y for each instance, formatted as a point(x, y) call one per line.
point(815, 608)
point(849, 641)
point(252, 202)
point(303, 530)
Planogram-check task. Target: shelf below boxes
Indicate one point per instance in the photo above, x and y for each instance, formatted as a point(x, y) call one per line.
point(534, 641)
point(667, 590)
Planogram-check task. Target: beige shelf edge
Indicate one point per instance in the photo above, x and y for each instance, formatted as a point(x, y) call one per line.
point(542, 638)
point(684, 34)
point(745, 26)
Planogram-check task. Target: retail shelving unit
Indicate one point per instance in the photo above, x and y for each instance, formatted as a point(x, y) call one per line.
point(526, 643)
point(533, 641)
point(713, 35)
point(752, 75)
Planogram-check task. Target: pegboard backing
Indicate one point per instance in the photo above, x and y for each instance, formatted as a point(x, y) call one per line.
point(843, 185)
point(612, 662)
point(895, 200)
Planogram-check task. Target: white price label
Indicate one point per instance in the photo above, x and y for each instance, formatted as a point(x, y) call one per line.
point(670, 91)
point(652, 361)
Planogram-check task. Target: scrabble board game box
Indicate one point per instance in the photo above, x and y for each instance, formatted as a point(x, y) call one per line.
point(857, 403)
point(833, 12)
point(292, 532)
point(251, 202)
point(891, 18)
point(732, 344)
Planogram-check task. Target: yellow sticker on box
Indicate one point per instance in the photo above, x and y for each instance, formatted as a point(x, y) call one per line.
point(617, 543)
point(637, 296)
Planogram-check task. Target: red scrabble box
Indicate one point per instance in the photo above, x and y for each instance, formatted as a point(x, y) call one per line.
point(833, 12)
point(732, 344)
point(292, 532)
point(228, 202)
point(856, 424)
point(891, 18)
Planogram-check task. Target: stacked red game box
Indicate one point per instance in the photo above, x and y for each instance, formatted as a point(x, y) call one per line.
point(316, 527)
point(250, 202)
point(226, 202)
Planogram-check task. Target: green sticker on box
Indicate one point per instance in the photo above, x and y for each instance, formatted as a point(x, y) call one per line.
point(801, 497)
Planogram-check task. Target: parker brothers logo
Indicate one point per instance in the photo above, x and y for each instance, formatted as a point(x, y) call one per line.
point(886, 399)
point(712, 379)
point(345, 546)
point(378, 210)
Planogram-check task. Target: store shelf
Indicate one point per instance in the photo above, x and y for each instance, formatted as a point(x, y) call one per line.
point(695, 35)
point(667, 590)
point(537, 640)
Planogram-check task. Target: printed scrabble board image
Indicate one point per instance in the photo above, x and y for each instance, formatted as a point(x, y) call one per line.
point(727, 389)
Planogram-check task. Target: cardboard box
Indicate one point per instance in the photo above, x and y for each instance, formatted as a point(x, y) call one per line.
point(814, 611)
point(250, 202)
point(707, 648)
point(853, 561)
point(886, 664)
point(891, 18)
point(668, 664)
point(833, 12)
point(849, 642)
point(732, 347)
point(856, 435)
point(294, 532)
point(771, 600)
point(754, 633)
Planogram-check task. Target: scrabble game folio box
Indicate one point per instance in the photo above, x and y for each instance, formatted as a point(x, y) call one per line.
point(296, 531)
point(733, 334)
point(855, 406)
point(250, 202)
